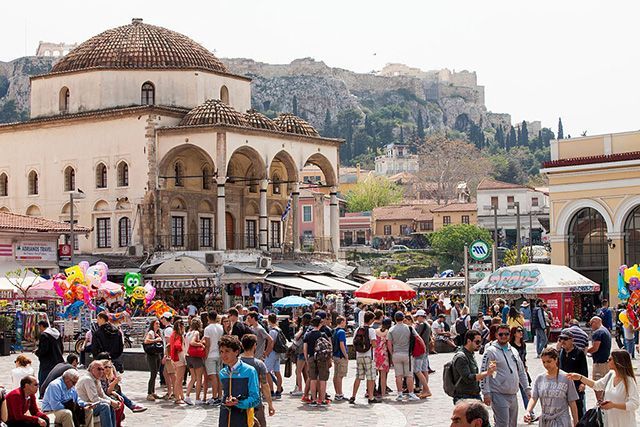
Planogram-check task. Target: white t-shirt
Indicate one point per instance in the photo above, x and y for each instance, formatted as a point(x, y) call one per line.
point(213, 332)
point(361, 318)
point(18, 374)
point(372, 339)
point(167, 335)
point(193, 310)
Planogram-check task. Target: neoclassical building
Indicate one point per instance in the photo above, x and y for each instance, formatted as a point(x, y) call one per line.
point(161, 139)
point(594, 197)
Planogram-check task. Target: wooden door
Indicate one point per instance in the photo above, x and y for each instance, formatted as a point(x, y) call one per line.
point(229, 231)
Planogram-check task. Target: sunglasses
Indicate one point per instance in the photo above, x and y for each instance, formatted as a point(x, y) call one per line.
point(100, 369)
point(504, 334)
point(477, 342)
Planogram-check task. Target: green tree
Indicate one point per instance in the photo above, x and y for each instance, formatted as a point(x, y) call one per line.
point(420, 127)
point(294, 105)
point(327, 129)
point(500, 137)
point(511, 256)
point(523, 139)
point(448, 243)
point(373, 192)
point(560, 130)
point(512, 140)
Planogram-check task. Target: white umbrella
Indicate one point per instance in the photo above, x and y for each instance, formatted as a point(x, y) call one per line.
point(534, 279)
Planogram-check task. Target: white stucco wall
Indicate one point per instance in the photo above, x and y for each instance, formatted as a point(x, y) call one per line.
point(100, 89)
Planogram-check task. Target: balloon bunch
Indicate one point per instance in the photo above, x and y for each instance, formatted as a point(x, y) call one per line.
point(78, 286)
point(141, 296)
point(629, 289)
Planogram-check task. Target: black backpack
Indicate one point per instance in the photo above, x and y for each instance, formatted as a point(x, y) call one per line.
point(361, 341)
point(461, 325)
point(280, 343)
point(449, 382)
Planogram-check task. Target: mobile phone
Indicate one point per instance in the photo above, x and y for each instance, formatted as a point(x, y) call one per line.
point(604, 402)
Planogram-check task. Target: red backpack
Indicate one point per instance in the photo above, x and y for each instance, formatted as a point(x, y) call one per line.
point(417, 346)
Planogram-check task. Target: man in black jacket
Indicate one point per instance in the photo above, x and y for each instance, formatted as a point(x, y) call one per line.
point(108, 338)
point(49, 350)
point(466, 373)
point(573, 359)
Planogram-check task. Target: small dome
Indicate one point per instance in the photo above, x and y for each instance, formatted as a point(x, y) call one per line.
point(287, 122)
point(213, 112)
point(259, 120)
point(136, 46)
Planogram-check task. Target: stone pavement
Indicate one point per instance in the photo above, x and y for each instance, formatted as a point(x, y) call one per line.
point(435, 411)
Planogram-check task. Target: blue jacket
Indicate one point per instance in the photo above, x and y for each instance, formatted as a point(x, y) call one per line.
point(240, 382)
point(57, 393)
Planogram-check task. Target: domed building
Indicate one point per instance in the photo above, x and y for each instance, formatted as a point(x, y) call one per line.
point(160, 138)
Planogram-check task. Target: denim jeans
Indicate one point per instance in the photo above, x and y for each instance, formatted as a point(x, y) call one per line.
point(541, 340)
point(630, 346)
point(106, 414)
point(127, 402)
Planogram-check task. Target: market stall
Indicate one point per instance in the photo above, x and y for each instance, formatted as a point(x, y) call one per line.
point(556, 284)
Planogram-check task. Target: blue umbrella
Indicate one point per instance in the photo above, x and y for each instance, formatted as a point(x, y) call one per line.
point(291, 301)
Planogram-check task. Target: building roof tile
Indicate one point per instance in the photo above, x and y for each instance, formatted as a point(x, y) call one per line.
point(11, 221)
point(603, 158)
point(492, 184)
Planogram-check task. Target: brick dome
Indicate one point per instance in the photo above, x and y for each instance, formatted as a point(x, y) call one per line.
point(136, 46)
point(259, 121)
point(213, 112)
point(287, 122)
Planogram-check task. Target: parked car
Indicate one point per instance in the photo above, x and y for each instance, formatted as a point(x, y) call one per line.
point(399, 248)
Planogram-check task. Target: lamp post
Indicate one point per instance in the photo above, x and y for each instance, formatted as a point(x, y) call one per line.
point(518, 242)
point(494, 257)
point(530, 236)
point(73, 195)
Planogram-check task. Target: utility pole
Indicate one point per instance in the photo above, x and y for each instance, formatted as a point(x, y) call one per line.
point(530, 237)
point(518, 241)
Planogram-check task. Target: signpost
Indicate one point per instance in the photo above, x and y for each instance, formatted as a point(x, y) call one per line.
point(479, 250)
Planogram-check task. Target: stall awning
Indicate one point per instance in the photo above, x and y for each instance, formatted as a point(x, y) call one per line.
point(298, 283)
point(333, 284)
point(191, 283)
point(437, 283)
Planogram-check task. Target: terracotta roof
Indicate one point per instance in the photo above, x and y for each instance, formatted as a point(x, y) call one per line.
point(259, 120)
point(11, 221)
point(213, 112)
point(492, 184)
point(136, 46)
point(403, 212)
point(457, 207)
point(293, 124)
point(604, 158)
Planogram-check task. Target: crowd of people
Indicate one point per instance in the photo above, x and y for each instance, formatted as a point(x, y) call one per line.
point(235, 361)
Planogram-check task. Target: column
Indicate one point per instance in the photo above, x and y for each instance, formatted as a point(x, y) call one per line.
point(263, 223)
point(616, 259)
point(295, 216)
point(334, 218)
point(221, 226)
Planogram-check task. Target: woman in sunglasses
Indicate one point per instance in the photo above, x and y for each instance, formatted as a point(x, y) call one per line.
point(620, 390)
point(517, 342)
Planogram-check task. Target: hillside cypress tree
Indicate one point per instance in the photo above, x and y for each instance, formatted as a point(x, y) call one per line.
point(294, 105)
point(420, 127)
point(524, 134)
point(560, 131)
point(512, 140)
point(401, 135)
point(500, 137)
point(327, 129)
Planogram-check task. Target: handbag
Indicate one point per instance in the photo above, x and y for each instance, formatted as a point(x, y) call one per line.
point(591, 418)
point(195, 351)
point(288, 368)
point(154, 348)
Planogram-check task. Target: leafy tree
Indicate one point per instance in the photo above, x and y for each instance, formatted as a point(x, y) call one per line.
point(511, 256)
point(347, 122)
point(523, 139)
point(560, 130)
point(420, 127)
point(294, 106)
point(23, 279)
point(500, 137)
point(373, 192)
point(448, 243)
point(512, 139)
point(327, 129)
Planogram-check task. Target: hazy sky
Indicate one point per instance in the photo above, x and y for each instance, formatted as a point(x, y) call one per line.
point(538, 60)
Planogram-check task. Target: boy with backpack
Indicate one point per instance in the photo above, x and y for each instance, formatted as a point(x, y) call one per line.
point(462, 325)
point(364, 341)
point(399, 343)
point(317, 351)
point(340, 356)
point(272, 359)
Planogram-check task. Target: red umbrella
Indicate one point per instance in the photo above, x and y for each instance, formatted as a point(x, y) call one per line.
point(385, 289)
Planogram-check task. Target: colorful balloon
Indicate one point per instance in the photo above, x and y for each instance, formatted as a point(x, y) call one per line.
point(623, 317)
point(131, 280)
point(96, 275)
point(75, 274)
point(623, 292)
point(631, 272)
point(151, 293)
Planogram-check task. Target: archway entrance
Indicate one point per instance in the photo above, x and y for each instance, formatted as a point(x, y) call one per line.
point(228, 221)
point(588, 248)
point(632, 237)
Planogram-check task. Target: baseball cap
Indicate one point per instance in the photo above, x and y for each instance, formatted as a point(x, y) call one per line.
point(321, 314)
point(421, 313)
point(167, 315)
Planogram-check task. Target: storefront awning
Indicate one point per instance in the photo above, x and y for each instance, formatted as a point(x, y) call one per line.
point(436, 283)
point(331, 283)
point(297, 283)
point(184, 283)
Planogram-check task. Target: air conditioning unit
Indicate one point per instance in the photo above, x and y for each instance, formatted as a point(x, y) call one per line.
point(263, 262)
point(136, 250)
point(213, 258)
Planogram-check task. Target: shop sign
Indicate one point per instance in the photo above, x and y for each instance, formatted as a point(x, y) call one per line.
point(479, 250)
point(64, 251)
point(27, 250)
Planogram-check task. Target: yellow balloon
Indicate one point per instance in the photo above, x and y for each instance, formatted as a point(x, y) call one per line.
point(631, 272)
point(623, 317)
point(75, 274)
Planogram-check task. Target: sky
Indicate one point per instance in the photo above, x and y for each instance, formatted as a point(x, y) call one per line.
point(538, 60)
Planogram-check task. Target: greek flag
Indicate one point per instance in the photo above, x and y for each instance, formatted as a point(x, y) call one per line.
point(287, 209)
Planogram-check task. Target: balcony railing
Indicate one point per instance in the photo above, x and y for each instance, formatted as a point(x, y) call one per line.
point(185, 242)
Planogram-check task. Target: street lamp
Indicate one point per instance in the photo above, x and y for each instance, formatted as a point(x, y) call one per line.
point(518, 242)
point(73, 195)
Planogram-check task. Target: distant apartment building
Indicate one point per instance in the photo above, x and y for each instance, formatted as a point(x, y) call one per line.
point(314, 220)
point(355, 229)
point(55, 50)
point(396, 159)
point(534, 211)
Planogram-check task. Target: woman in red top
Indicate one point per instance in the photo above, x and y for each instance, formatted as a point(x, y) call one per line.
point(177, 351)
point(23, 400)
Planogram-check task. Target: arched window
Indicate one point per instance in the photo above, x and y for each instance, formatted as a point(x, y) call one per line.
point(224, 95)
point(178, 171)
point(632, 237)
point(206, 178)
point(148, 94)
point(276, 183)
point(33, 183)
point(69, 179)
point(63, 100)
point(4, 185)
point(101, 176)
point(124, 232)
point(588, 240)
point(123, 174)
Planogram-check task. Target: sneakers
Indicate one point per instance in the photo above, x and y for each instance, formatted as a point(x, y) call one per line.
point(339, 397)
point(313, 404)
point(352, 400)
point(306, 399)
point(399, 397)
point(199, 402)
point(151, 398)
point(413, 397)
point(188, 400)
point(324, 403)
point(138, 408)
point(374, 400)
point(295, 393)
point(214, 402)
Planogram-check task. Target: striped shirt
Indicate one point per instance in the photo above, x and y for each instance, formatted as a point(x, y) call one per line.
point(580, 337)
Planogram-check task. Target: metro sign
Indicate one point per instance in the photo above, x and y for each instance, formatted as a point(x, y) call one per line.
point(479, 250)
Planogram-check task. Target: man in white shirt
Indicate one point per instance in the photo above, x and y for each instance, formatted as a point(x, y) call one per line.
point(90, 391)
point(192, 310)
point(212, 334)
point(440, 331)
point(365, 367)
